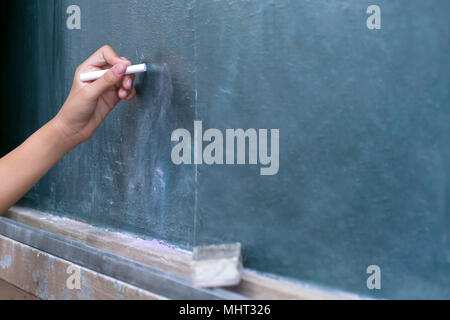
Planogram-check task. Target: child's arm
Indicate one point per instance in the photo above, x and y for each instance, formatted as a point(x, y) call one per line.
point(85, 109)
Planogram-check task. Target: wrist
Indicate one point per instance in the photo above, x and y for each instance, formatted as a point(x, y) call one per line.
point(63, 140)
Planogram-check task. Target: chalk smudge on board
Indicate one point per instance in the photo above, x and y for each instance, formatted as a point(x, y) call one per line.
point(146, 153)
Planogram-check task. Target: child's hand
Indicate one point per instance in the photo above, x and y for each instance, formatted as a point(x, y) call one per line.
point(84, 110)
point(88, 104)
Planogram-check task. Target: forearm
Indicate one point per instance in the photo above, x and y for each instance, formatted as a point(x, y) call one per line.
point(86, 107)
point(26, 165)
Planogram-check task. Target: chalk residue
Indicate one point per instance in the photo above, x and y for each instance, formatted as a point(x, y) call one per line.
point(5, 261)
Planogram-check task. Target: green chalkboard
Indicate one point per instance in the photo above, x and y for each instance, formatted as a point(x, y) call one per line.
point(363, 117)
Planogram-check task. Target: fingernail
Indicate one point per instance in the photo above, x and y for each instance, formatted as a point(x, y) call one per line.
point(119, 69)
point(129, 82)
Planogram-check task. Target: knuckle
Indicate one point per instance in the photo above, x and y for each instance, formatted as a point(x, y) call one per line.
point(110, 77)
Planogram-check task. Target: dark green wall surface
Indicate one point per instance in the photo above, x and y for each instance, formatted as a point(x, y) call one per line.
point(363, 115)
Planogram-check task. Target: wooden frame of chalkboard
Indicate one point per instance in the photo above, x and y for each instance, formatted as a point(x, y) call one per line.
point(34, 243)
point(48, 278)
point(10, 292)
point(172, 261)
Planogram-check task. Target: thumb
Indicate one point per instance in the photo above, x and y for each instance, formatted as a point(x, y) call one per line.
point(109, 79)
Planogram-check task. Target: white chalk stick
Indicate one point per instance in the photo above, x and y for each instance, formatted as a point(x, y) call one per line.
point(90, 76)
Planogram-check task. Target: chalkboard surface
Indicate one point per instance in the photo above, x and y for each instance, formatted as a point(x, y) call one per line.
point(363, 114)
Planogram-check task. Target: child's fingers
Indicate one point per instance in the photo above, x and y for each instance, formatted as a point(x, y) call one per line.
point(123, 93)
point(125, 60)
point(126, 95)
point(127, 82)
point(105, 56)
point(112, 78)
point(131, 95)
point(127, 87)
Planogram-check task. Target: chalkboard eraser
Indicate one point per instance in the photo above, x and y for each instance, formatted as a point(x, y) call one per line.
point(216, 266)
point(90, 76)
